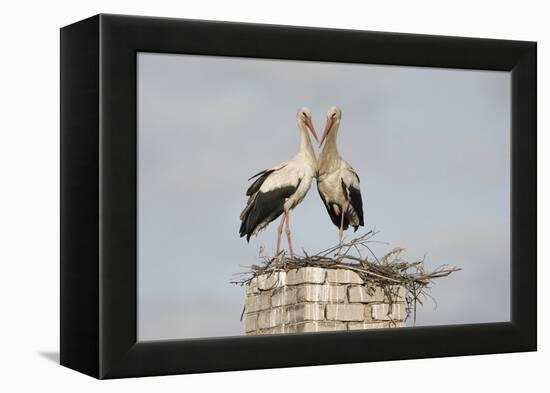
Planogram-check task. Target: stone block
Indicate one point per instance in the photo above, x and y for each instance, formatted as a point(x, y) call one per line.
point(382, 312)
point(317, 326)
point(290, 314)
point(303, 312)
point(398, 293)
point(306, 275)
point(261, 301)
point(343, 276)
point(278, 330)
point(283, 296)
point(367, 325)
point(322, 293)
point(345, 312)
point(360, 294)
point(270, 318)
point(250, 322)
point(252, 287)
point(272, 280)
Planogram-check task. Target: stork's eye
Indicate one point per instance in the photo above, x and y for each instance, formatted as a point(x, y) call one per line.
point(305, 115)
point(333, 115)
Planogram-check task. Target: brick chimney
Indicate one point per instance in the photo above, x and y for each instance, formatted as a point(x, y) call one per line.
point(312, 299)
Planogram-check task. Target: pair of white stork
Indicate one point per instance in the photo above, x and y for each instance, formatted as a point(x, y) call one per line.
point(281, 188)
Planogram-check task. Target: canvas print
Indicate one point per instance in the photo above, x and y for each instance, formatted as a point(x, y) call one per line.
point(287, 197)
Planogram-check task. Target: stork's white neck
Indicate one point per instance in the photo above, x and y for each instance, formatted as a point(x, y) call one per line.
point(306, 147)
point(330, 150)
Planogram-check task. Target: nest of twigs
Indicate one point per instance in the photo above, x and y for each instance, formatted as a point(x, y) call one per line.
point(388, 271)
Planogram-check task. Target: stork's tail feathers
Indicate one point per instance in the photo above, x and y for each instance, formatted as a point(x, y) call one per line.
point(245, 217)
point(242, 231)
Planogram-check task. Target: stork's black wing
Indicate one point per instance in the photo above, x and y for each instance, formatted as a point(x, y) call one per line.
point(264, 208)
point(265, 204)
point(354, 198)
point(254, 187)
point(330, 210)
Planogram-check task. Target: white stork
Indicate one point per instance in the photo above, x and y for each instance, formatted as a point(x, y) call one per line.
point(337, 182)
point(279, 189)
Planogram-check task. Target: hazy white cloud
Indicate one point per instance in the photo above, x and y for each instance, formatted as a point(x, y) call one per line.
point(431, 147)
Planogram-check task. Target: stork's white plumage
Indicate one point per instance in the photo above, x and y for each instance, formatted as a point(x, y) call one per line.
point(279, 189)
point(337, 182)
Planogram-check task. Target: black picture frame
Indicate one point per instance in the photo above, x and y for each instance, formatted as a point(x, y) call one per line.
point(98, 196)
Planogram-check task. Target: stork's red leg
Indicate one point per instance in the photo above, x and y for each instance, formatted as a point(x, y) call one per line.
point(279, 233)
point(341, 231)
point(287, 230)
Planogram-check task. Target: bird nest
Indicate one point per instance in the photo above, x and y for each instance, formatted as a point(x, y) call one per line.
point(388, 271)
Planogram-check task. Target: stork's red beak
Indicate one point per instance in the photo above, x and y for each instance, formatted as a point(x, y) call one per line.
point(309, 125)
point(327, 129)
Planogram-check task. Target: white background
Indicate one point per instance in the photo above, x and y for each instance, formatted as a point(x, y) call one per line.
point(29, 216)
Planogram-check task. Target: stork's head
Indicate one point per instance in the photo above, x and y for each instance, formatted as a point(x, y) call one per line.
point(334, 114)
point(304, 117)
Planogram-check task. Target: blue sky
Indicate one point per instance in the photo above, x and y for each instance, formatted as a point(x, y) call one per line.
point(431, 147)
